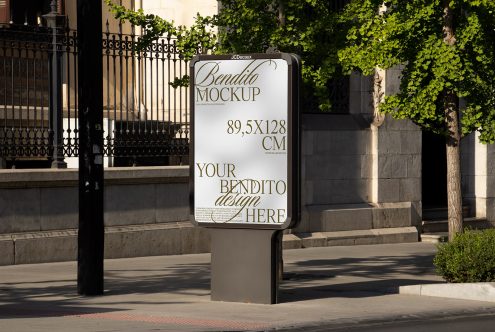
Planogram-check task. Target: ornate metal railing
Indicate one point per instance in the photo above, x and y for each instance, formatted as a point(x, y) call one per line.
point(24, 92)
point(148, 117)
point(146, 120)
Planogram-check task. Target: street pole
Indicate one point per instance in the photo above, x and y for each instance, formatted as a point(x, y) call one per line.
point(90, 69)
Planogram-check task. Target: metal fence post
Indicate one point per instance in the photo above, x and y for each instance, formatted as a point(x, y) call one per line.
point(56, 22)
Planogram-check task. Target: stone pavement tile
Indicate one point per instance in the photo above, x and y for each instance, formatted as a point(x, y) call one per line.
point(171, 293)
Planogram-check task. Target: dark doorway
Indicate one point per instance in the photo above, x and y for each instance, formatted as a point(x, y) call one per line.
point(434, 171)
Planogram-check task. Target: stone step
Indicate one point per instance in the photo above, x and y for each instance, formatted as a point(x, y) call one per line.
point(435, 226)
point(350, 238)
point(120, 242)
point(440, 213)
point(169, 239)
point(439, 237)
point(351, 218)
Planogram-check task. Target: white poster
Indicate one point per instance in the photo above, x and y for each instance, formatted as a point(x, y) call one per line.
point(241, 141)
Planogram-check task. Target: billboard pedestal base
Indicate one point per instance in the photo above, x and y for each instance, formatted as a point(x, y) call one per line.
point(245, 265)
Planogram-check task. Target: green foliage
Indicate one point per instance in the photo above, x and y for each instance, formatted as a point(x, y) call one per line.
point(200, 36)
point(410, 33)
point(470, 257)
point(309, 28)
point(180, 81)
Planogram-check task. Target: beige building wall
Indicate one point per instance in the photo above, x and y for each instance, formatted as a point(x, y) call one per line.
point(478, 177)
point(144, 79)
point(162, 102)
point(109, 82)
point(136, 87)
point(182, 12)
point(71, 12)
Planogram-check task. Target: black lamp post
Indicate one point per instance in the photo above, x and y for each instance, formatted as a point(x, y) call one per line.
point(91, 229)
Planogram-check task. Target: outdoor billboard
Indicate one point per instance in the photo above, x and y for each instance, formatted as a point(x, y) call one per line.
point(245, 141)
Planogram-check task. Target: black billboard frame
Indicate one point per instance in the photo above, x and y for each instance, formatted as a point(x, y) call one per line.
point(293, 136)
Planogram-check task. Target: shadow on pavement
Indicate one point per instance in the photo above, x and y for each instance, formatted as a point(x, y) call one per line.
point(346, 290)
point(58, 297)
point(189, 283)
point(355, 277)
point(178, 279)
point(417, 264)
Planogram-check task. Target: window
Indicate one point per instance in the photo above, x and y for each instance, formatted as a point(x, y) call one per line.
point(28, 11)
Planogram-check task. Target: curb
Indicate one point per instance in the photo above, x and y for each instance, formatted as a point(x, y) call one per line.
point(482, 291)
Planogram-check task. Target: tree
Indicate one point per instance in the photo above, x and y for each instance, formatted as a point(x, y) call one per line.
point(309, 28)
point(189, 39)
point(446, 48)
point(199, 38)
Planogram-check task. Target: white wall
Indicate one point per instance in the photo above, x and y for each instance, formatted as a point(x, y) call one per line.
point(182, 12)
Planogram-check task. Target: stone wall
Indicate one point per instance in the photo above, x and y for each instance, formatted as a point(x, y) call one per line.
point(146, 213)
point(356, 176)
point(478, 177)
point(398, 162)
point(44, 200)
point(490, 183)
point(335, 165)
point(361, 170)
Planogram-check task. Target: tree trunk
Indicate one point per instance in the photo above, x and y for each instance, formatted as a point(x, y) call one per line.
point(453, 140)
point(454, 193)
point(281, 14)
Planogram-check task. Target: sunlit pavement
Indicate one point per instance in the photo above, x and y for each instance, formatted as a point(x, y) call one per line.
point(331, 286)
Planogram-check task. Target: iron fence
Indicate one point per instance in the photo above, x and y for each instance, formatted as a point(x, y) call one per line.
point(24, 92)
point(146, 120)
point(147, 116)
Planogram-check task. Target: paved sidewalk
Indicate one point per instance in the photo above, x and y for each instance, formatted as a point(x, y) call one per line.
point(329, 285)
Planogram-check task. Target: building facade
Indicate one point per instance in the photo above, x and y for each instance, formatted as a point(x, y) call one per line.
point(366, 178)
